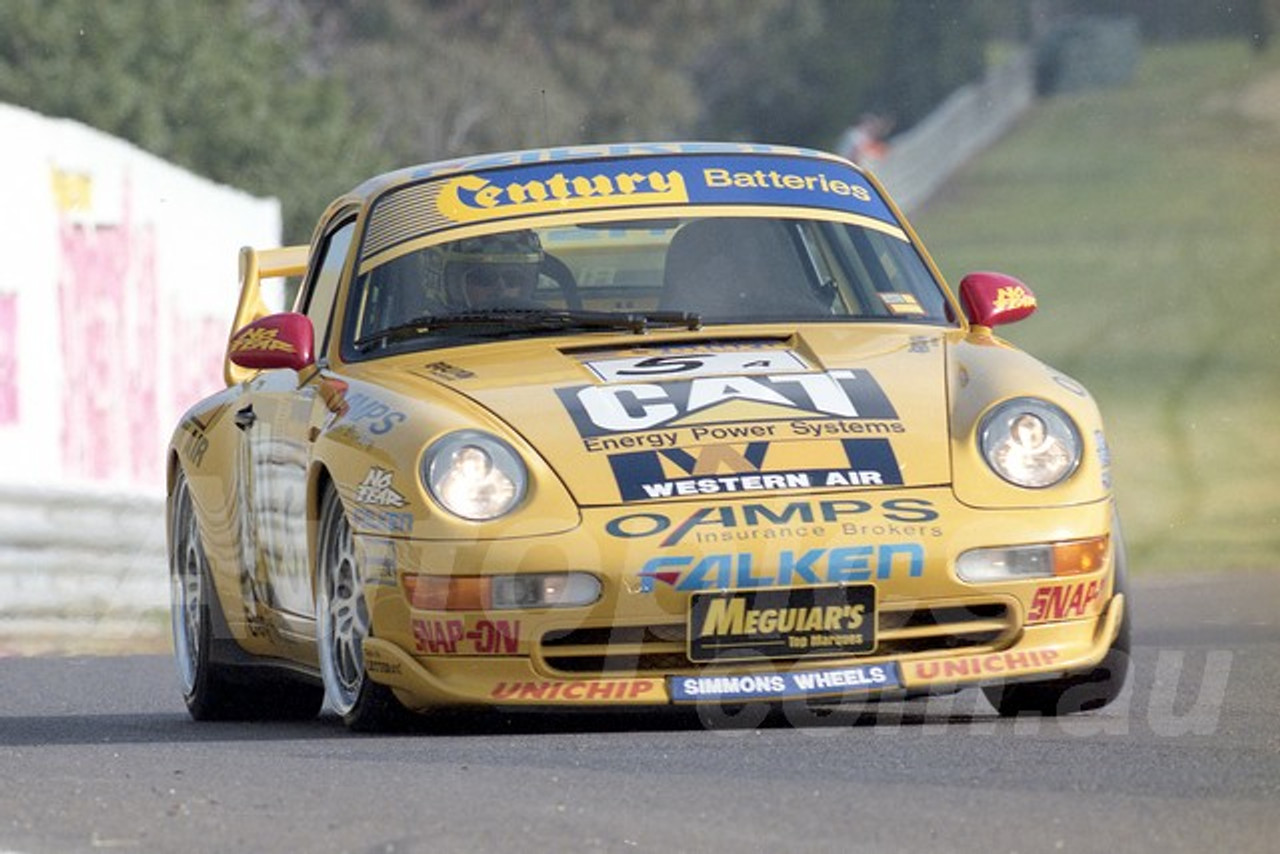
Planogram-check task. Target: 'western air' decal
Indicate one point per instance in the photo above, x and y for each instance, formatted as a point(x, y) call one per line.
point(598, 410)
point(754, 467)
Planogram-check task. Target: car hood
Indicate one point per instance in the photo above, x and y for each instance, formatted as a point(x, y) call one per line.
point(833, 407)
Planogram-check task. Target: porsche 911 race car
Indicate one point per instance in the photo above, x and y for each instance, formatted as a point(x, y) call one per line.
point(633, 426)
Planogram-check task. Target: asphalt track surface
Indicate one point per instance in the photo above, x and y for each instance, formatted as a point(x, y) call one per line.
point(98, 754)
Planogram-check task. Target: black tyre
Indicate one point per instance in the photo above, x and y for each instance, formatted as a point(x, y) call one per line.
point(212, 687)
point(1081, 692)
point(342, 624)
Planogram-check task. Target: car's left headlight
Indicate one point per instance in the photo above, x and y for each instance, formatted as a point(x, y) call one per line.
point(1030, 442)
point(474, 475)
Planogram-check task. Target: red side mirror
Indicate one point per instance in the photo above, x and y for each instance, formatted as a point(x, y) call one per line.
point(992, 299)
point(283, 340)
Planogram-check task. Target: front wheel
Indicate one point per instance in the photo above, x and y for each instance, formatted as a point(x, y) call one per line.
point(342, 617)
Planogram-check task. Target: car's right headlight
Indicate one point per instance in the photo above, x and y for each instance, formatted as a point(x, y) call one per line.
point(474, 475)
point(1030, 442)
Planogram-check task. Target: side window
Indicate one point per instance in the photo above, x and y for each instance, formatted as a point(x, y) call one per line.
point(317, 301)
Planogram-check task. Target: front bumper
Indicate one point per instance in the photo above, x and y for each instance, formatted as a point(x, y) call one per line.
point(934, 632)
point(1042, 652)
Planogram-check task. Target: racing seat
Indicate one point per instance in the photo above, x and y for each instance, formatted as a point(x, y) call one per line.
point(737, 269)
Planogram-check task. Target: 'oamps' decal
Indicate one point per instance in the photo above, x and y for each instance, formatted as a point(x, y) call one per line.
point(715, 469)
point(891, 518)
point(599, 410)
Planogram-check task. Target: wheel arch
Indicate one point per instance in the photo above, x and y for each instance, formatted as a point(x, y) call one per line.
point(319, 481)
point(173, 470)
point(172, 467)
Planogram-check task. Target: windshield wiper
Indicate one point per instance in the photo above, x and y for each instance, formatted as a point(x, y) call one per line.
point(503, 321)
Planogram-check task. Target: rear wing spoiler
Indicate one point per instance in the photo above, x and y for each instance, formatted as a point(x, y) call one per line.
point(256, 265)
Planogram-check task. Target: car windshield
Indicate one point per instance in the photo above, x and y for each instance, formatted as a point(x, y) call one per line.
point(636, 274)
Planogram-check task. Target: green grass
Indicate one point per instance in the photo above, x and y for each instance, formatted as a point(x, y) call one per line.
point(1147, 220)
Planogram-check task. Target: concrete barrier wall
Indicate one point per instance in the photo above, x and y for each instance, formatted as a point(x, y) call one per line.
point(116, 296)
point(117, 290)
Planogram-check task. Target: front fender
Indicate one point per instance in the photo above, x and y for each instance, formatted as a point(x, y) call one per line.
point(983, 373)
point(374, 464)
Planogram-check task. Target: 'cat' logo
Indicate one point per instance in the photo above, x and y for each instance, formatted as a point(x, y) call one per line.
point(630, 407)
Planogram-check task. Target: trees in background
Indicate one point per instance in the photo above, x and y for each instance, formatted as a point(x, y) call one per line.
point(220, 88)
point(303, 99)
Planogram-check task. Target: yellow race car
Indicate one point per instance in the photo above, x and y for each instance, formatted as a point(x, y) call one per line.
point(635, 425)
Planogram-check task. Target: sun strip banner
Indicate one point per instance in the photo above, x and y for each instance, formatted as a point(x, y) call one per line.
point(616, 184)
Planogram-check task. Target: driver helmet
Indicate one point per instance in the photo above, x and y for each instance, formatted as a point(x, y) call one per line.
point(489, 271)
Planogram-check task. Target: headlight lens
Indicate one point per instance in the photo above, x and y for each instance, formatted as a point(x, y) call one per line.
point(1030, 442)
point(474, 475)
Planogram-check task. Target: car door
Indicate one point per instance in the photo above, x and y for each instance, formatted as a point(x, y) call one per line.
point(278, 415)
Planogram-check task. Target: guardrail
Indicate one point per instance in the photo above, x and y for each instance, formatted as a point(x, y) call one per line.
point(81, 570)
point(922, 159)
